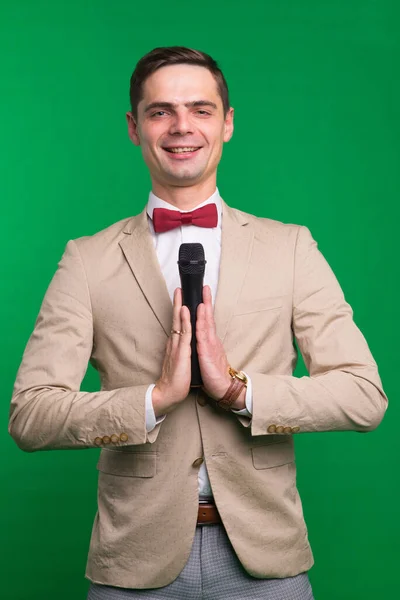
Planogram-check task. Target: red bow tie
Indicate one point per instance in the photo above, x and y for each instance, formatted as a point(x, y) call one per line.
point(165, 219)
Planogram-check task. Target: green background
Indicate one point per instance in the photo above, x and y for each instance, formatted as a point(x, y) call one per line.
point(315, 87)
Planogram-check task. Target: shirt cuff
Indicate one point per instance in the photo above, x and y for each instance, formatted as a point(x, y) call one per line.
point(151, 420)
point(248, 411)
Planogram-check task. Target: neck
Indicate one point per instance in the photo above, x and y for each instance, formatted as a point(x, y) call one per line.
point(184, 198)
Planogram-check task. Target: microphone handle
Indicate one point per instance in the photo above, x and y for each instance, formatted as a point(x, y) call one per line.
point(192, 296)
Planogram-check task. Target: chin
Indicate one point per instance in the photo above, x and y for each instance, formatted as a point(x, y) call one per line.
point(184, 176)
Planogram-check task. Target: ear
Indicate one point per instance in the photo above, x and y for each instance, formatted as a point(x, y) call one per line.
point(132, 129)
point(228, 126)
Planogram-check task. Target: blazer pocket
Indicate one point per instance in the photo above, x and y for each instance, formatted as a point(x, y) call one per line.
point(128, 464)
point(251, 306)
point(272, 455)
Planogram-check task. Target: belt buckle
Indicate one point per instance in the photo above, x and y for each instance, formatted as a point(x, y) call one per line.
point(205, 501)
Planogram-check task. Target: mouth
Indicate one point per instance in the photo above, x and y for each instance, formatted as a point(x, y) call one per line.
point(182, 152)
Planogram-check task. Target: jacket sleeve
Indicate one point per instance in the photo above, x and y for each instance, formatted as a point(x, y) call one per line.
point(343, 390)
point(47, 409)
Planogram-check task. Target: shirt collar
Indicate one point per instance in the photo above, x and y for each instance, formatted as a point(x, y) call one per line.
point(156, 202)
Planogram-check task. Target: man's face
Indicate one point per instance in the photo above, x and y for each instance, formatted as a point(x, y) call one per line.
point(181, 109)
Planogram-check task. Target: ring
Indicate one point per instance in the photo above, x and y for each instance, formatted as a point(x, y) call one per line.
point(176, 331)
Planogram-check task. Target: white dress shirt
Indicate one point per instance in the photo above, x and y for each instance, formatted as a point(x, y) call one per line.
point(167, 248)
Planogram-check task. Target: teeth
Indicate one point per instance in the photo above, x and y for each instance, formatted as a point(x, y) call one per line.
point(176, 150)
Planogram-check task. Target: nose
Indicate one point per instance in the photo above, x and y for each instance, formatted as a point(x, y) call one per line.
point(181, 124)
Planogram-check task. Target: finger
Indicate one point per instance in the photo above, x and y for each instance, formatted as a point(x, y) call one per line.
point(209, 312)
point(184, 348)
point(176, 316)
point(207, 296)
point(178, 297)
point(201, 324)
point(177, 305)
point(186, 336)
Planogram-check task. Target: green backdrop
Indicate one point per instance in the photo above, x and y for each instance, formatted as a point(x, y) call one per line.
point(315, 86)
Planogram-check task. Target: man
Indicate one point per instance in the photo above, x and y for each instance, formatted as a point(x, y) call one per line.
point(197, 490)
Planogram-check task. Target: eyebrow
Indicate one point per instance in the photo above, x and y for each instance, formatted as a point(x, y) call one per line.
point(170, 105)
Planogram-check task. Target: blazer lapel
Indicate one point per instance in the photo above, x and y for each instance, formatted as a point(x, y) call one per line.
point(139, 251)
point(236, 245)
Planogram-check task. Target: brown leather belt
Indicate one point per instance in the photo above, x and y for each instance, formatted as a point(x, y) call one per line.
point(208, 514)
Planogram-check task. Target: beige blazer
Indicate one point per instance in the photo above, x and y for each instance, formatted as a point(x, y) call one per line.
point(108, 303)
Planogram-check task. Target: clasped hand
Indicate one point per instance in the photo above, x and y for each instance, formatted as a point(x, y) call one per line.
point(174, 383)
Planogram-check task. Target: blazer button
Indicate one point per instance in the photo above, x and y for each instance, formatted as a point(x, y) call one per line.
point(201, 400)
point(198, 462)
point(287, 430)
point(271, 429)
point(123, 437)
point(98, 441)
point(106, 439)
point(114, 439)
point(279, 429)
point(295, 429)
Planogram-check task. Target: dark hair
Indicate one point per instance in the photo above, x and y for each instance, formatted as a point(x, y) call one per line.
point(174, 55)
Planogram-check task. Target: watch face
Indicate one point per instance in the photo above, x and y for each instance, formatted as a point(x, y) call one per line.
point(238, 375)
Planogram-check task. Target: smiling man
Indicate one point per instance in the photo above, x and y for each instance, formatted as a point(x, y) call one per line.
point(197, 492)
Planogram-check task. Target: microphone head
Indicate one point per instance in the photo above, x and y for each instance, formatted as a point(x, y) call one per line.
point(191, 259)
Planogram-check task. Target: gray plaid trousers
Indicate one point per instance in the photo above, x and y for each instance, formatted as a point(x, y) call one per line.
point(213, 572)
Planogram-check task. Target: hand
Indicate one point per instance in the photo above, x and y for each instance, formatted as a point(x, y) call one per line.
point(174, 383)
point(212, 358)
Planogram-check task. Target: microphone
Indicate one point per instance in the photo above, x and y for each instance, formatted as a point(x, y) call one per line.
point(192, 265)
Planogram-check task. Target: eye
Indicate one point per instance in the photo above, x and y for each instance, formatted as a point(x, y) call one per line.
point(204, 112)
point(158, 113)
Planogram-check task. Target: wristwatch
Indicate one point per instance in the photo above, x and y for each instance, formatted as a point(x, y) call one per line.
point(239, 381)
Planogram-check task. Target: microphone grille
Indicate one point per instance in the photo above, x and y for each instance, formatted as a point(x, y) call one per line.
point(191, 259)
